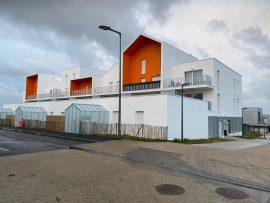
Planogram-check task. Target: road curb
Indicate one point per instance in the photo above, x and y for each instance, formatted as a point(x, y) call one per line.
point(49, 135)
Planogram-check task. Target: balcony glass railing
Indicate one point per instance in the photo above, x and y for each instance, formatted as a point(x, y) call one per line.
point(142, 86)
point(195, 80)
point(52, 95)
point(81, 92)
point(107, 90)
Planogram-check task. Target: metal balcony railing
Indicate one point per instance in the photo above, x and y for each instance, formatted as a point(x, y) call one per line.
point(107, 89)
point(142, 86)
point(52, 95)
point(81, 92)
point(31, 97)
point(195, 80)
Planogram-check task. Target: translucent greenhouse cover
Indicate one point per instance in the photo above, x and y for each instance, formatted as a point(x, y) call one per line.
point(5, 110)
point(89, 107)
point(32, 109)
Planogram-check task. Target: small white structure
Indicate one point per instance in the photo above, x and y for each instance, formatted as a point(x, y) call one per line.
point(4, 112)
point(76, 113)
point(30, 113)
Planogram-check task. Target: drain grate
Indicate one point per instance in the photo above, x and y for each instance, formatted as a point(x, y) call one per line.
point(169, 189)
point(231, 193)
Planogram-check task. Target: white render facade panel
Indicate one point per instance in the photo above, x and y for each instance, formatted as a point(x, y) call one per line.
point(195, 118)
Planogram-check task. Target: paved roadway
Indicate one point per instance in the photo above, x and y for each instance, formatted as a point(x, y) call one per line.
point(12, 143)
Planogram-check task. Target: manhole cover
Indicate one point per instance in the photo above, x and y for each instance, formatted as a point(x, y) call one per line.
point(169, 189)
point(231, 193)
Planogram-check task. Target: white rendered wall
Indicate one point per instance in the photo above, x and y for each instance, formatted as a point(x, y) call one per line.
point(70, 74)
point(42, 83)
point(171, 56)
point(112, 75)
point(195, 118)
point(53, 84)
point(159, 110)
point(178, 71)
point(227, 91)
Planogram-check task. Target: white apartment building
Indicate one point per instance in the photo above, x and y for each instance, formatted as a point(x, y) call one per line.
point(152, 76)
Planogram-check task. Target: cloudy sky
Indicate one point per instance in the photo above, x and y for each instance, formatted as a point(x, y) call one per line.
point(38, 36)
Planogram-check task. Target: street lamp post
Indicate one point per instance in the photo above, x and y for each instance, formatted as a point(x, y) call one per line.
point(182, 112)
point(264, 122)
point(243, 121)
point(103, 27)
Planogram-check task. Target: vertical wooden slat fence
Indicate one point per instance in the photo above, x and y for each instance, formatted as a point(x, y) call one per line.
point(137, 130)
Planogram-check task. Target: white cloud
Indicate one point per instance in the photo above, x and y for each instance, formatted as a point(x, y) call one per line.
point(209, 28)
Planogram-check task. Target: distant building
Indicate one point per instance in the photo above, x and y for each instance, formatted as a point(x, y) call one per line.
point(253, 120)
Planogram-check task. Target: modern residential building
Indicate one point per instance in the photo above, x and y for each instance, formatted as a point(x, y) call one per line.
point(152, 76)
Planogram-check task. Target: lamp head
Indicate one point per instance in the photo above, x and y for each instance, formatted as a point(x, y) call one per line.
point(104, 27)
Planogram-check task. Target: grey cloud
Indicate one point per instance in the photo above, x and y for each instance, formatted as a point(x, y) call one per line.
point(255, 44)
point(159, 8)
point(81, 18)
point(217, 25)
point(256, 93)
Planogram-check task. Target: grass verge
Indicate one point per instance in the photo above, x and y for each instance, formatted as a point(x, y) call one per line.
point(202, 141)
point(250, 136)
point(185, 141)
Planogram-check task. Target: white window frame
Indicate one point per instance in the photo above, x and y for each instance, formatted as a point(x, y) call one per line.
point(218, 79)
point(143, 66)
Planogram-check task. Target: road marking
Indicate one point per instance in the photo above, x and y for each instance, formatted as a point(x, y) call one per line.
point(4, 149)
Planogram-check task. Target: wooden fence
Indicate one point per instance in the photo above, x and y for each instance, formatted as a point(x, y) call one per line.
point(53, 123)
point(138, 130)
point(8, 122)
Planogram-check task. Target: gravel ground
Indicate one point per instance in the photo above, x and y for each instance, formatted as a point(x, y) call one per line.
point(108, 174)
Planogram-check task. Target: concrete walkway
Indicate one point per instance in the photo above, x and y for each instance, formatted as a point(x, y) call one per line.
point(238, 143)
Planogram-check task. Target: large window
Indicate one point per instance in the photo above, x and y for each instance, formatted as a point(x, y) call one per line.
point(143, 66)
point(194, 77)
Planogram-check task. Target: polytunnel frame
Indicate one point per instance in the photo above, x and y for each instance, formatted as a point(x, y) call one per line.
point(76, 113)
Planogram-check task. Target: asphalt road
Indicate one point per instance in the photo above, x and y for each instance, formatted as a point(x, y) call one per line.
point(13, 143)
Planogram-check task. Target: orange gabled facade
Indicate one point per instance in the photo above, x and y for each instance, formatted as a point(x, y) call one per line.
point(31, 86)
point(81, 86)
point(146, 49)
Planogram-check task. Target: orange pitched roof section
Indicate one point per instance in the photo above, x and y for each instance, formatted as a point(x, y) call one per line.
point(141, 48)
point(80, 85)
point(31, 86)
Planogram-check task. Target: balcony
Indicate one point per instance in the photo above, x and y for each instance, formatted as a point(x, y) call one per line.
point(204, 80)
point(142, 86)
point(57, 94)
point(81, 92)
point(113, 89)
